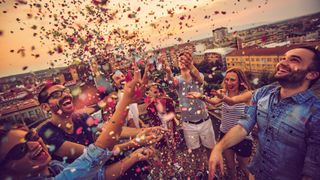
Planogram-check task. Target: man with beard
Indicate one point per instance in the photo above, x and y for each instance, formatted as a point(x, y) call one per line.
point(23, 154)
point(69, 131)
point(288, 120)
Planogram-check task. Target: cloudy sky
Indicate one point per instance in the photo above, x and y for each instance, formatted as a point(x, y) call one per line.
point(161, 22)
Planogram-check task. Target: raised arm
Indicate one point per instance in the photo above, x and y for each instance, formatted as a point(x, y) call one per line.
point(242, 98)
point(196, 74)
point(146, 74)
point(197, 95)
point(188, 61)
point(111, 130)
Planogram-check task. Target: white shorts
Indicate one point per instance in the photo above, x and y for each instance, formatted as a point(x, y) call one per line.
point(194, 132)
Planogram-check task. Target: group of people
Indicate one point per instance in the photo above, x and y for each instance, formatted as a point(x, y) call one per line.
point(73, 144)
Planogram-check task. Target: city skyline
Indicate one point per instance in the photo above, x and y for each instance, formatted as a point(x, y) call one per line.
point(246, 13)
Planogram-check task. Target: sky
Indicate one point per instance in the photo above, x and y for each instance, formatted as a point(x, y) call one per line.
point(161, 23)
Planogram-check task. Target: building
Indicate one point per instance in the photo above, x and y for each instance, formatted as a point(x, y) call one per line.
point(18, 96)
point(255, 60)
point(213, 55)
point(219, 34)
point(171, 53)
point(259, 60)
point(26, 112)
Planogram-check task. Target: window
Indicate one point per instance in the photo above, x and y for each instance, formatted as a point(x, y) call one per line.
point(32, 115)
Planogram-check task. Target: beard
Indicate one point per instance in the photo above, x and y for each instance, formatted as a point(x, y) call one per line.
point(293, 79)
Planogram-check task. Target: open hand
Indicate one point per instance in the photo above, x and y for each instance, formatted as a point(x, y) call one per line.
point(193, 95)
point(150, 135)
point(134, 89)
point(219, 93)
point(216, 160)
point(144, 153)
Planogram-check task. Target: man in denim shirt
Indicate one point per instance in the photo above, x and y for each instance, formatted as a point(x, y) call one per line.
point(288, 120)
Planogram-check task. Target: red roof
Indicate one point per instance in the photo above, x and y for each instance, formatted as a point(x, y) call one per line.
point(277, 51)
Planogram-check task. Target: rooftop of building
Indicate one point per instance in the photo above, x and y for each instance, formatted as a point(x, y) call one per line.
point(276, 51)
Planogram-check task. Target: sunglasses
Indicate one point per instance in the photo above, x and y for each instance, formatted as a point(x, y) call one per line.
point(21, 149)
point(155, 92)
point(58, 93)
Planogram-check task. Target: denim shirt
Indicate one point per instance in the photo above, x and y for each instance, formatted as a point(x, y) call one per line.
point(288, 134)
point(87, 166)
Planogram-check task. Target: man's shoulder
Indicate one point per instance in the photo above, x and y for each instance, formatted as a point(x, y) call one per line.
point(315, 108)
point(45, 126)
point(266, 90)
point(57, 166)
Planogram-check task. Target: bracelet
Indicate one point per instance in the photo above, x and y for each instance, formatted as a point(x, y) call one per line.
point(203, 97)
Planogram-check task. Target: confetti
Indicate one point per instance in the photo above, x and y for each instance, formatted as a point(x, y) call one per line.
point(24, 68)
point(69, 125)
point(51, 148)
point(79, 130)
point(255, 81)
point(76, 91)
point(48, 133)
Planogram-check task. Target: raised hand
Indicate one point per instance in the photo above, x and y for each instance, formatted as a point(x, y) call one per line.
point(194, 95)
point(134, 89)
point(219, 93)
point(186, 59)
point(150, 136)
point(144, 153)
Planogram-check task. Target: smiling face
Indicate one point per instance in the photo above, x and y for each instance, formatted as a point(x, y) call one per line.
point(154, 92)
point(60, 100)
point(231, 82)
point(34, 156)
point(119, 79)
point(293, 70)
point(184, 58)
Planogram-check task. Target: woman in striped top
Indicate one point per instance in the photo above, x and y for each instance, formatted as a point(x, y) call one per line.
point(235, 83)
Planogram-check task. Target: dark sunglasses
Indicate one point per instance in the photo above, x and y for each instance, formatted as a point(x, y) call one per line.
point(21, 149)
point(155, 92)
point(58, 93)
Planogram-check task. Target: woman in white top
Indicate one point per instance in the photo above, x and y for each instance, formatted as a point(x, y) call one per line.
point(234, 84)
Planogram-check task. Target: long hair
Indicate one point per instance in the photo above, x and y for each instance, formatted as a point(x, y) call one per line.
point(242, 80)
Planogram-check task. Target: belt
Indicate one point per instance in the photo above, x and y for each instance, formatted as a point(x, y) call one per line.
point(198, 122)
